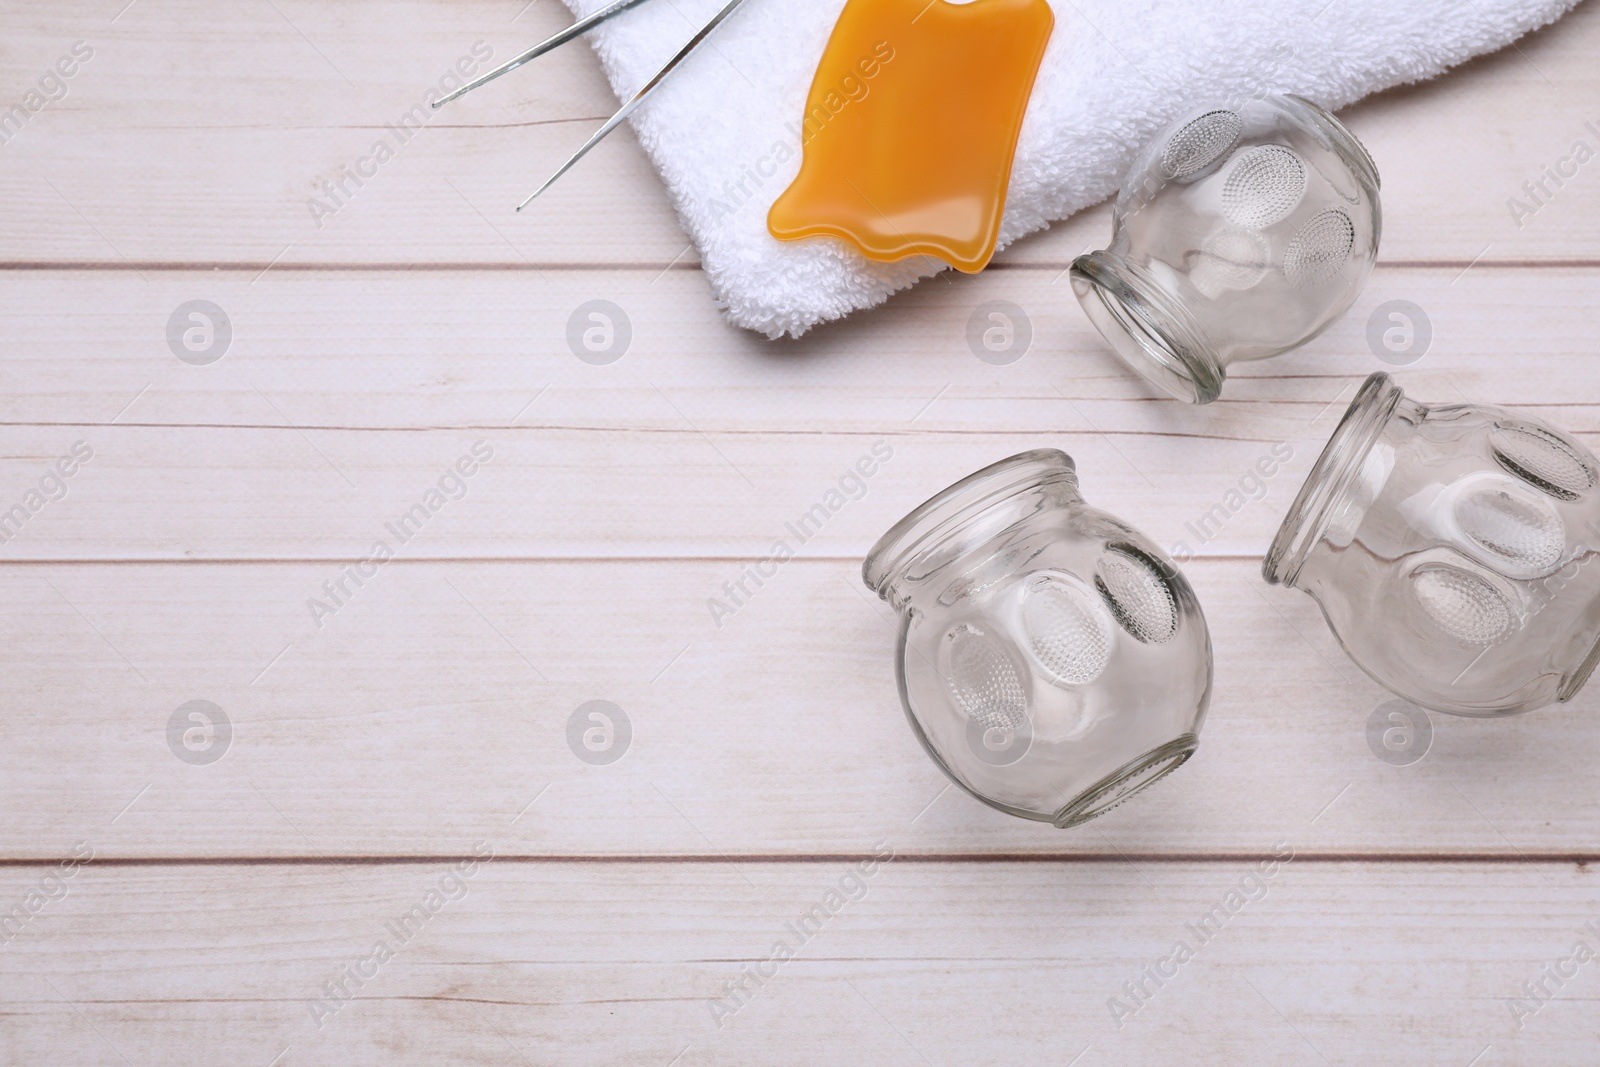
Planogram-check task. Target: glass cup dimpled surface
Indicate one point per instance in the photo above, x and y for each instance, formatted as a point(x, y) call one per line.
point(1052, 661)
point(1238, 234)
point(1453, 552)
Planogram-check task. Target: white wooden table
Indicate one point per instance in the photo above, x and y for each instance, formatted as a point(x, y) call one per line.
point(227, 911)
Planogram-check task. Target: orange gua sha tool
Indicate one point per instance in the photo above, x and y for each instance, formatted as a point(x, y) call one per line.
point(911, 125)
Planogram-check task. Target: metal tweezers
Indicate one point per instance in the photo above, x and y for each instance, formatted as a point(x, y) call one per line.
point(577, 29)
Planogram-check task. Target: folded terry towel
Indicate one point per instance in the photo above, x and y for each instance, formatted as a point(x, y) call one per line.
point(725, 130)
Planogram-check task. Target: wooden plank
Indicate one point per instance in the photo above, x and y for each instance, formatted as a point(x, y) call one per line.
point(1002, 963)
point(431, 711)
point(231, 494)
point(438, 697)
point(1454, 152)
point(225, 176)
point(338, 406)
point(386, 350)
point(223, 129)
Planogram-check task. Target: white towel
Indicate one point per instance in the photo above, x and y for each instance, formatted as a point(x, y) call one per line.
point(724, 130)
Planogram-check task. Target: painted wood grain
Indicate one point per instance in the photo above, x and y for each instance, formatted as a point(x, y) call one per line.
point(407, 350)
point(222, 149)
point(338, 405)
point(429, 712)
point(994, 964)
point(437, 698)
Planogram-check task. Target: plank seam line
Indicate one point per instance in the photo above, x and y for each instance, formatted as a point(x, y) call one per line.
point(1582, 859)
point(335, 561)
point(669, 431)
point(455, 266)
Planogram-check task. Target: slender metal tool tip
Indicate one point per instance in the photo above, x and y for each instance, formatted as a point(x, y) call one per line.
point(555, 40)
point(531, 197)
point(639, 97)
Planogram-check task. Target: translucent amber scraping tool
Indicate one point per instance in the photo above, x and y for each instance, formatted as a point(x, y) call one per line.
point(911, 125)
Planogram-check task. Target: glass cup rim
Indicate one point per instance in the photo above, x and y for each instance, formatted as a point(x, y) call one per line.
point(1152, 334)
point(1330, 478)
point(953, 507)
